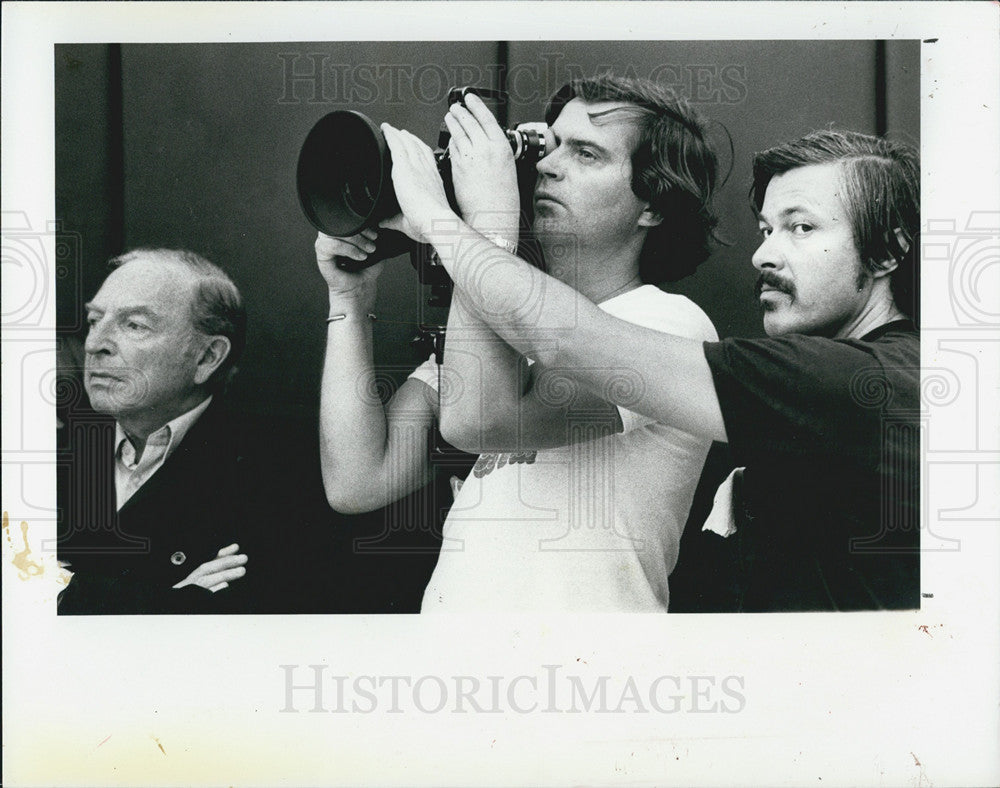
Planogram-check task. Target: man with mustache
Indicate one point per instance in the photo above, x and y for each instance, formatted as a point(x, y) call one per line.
point(823, 413)
point(574, 503)
point(162, 506)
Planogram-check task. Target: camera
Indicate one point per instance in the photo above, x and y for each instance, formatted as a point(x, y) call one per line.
point(344, 178)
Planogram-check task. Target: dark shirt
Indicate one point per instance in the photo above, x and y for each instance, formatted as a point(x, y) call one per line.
point(829, 432)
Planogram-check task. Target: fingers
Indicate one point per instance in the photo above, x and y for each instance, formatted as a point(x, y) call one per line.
point(226, 576)
point(356, 247)
point(463, 125)
point(472, 125)
point(481, 115)
point(417, 182)
point(397, 223)
point(223, 569)
point(221, 564)
point(232, 549)
point(459, 136)
point(393, 139)
point(406, 145)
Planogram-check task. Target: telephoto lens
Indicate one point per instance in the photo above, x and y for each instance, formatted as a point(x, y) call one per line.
point(344, 174)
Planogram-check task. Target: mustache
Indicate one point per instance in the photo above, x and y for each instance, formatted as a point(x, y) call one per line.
point(774, 281)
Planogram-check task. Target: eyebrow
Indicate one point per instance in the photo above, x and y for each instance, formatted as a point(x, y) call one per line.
point(582, 142)
point(786, 212)
point(128, 310)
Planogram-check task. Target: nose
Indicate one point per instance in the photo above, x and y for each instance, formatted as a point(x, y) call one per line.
point(548, 166)
point(99, 337)
point(767, 255)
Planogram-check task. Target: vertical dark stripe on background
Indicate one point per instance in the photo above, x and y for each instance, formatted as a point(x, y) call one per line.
point(503, 64)
point(881, 109)
point(116, 151)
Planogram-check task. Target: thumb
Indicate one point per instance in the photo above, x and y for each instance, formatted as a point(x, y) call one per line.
point(397, 222)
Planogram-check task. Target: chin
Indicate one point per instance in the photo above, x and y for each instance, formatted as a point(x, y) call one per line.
point(110, 400)
point(773, 324)
point(545, 225)
point(777, 324)
point(100, 402)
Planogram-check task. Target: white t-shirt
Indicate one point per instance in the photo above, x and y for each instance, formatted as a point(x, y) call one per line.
point(590, 527)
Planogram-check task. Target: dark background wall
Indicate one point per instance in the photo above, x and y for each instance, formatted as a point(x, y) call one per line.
point(195, 145)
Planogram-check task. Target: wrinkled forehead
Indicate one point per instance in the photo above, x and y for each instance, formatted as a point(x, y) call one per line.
point(152, 281)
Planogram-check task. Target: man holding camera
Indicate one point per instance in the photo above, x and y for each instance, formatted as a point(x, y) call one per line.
point(574, 503)
point(824, 412)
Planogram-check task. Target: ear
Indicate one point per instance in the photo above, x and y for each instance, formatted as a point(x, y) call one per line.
point(649, 218)
point(211, 358)
point(891, 264)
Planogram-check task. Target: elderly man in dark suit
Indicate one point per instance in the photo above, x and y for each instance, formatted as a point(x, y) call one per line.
point(164, 502)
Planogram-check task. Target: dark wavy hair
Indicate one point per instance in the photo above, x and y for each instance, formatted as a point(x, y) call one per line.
point(216, 308)
point(882, 195)
point(674, 169)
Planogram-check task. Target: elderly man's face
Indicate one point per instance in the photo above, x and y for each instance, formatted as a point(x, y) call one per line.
point(142, 348)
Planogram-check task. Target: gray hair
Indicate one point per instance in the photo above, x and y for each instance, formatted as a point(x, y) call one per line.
point(216, 308)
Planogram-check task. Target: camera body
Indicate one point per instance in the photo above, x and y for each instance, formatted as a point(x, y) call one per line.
point(527, 141)
point(345, 185)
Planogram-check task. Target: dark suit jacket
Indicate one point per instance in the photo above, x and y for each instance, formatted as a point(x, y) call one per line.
point(224, 483)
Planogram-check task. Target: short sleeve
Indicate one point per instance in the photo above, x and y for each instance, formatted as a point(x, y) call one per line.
point(794, 397)
point(650, 307)
point(427, 373)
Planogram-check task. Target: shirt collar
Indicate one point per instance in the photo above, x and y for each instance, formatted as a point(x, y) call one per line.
point(170, 434)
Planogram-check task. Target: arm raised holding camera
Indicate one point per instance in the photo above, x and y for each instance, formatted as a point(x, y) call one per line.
point(499, 409)
point(371, 453)
point(488, 370)
point(677, 384)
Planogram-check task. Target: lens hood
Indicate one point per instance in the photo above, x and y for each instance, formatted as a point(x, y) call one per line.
point(344, 175)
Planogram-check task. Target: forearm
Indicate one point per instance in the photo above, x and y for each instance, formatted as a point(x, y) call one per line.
point(668, 377)
point(489, 374)
point(489, 383)
point(371, 454)
point(499, 287)
point(526, 308)
point(352, 423)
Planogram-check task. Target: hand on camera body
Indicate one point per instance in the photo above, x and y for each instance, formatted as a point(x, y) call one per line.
point(482, 167)
point(349, 288)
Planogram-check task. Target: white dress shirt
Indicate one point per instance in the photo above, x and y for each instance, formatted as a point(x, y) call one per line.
point(130, 474)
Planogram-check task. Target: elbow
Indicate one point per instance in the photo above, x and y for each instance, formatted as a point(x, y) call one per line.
point(348, 496)
point(458, 433)
point(347, 504)
point(480, 436)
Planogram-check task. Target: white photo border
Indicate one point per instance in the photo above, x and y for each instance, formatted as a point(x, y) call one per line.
point(867, 698)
